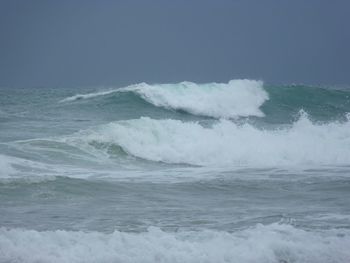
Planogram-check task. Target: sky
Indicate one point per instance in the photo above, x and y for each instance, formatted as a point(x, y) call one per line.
point(97, 43)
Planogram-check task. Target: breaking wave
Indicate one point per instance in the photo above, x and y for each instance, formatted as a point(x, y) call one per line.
point(219, 100)
point(236, 98)
point(270, 243)
point(225, 142)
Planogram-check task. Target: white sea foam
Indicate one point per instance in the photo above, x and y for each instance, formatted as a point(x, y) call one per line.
point(226, 143)
point(220, 100)
point(273, 243)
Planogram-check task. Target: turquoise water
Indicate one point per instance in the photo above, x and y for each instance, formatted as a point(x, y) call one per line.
point(235, 172)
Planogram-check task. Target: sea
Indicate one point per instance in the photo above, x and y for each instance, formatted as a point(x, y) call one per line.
point(188, 172)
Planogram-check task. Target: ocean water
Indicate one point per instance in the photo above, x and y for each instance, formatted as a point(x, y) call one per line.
point(186, 172)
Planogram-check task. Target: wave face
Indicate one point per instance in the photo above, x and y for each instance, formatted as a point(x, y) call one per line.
point(227, 143)
point(271, 243)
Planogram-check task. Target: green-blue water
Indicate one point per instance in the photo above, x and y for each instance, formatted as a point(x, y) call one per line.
point(236, 172)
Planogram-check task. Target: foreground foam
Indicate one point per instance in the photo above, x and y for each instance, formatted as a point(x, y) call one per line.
point(219, 100)
point(226, 143)
point(272, 243)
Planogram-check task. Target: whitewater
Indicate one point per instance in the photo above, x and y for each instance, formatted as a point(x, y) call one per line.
point(178, 172)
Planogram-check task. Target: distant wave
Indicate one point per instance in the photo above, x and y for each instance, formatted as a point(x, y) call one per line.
point(226, 143)
point(271, 243)
point(219, 100)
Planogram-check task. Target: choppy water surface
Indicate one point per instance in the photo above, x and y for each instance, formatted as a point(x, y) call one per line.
point(236, 172)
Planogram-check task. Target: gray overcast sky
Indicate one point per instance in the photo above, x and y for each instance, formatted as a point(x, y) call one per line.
point(87, 43)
